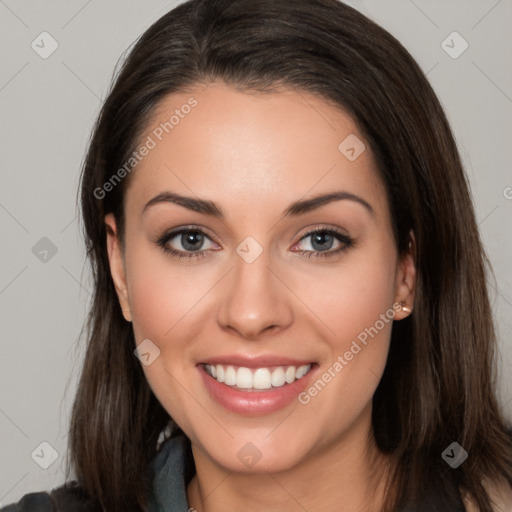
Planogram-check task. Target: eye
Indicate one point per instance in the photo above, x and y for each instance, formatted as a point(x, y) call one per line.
point(321, 241)
point(191, 242)
point(187, 243)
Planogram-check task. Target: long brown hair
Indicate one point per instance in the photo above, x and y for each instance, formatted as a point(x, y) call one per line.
point(438, 386)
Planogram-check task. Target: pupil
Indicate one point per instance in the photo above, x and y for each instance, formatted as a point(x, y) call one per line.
point(322, 241)
point(191, 241)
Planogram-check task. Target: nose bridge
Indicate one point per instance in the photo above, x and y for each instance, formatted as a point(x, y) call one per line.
point(254, 299)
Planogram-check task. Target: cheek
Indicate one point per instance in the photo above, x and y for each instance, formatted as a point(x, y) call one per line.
point(162, 295)
point(350, 297)
point(164, 302)
point(355, 303)
point(171, 305)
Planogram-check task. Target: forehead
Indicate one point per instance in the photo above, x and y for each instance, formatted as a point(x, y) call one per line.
point(254, 148)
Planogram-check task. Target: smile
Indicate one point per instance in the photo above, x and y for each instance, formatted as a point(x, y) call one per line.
point(256, 387)
point(254, 379)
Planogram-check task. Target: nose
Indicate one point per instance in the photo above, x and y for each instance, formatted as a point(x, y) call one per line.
point(254, 300)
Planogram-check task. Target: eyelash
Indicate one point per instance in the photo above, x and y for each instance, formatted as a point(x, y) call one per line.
point(341, 237)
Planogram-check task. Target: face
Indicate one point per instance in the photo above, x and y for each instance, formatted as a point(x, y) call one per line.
point(266, 311)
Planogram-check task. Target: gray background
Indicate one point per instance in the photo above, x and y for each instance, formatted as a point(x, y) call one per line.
point(47, 110)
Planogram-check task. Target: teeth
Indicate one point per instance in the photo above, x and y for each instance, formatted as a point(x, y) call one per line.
point(243, 378)
point(301, 371)
point(262, 379)
point(289, 375)
point(230, 376)
point(278, 378)
point(259, 378)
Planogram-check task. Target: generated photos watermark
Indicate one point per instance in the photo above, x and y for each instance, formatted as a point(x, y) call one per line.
point(343, 359)
point(152, 140)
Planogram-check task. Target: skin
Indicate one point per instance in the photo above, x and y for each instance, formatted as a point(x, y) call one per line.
point(254, 154)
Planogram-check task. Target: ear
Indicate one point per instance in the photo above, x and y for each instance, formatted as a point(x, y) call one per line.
point(405, 282)
point(117, 268)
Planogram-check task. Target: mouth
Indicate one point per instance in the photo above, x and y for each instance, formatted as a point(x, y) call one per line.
point(256, 379)
point(257, 388)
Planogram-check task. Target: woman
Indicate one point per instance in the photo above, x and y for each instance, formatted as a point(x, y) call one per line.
point(290, 307)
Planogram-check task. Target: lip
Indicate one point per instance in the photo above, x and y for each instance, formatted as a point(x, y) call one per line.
point(255, 402)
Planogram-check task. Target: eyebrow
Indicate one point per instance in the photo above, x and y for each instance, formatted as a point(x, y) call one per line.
point(297, 208)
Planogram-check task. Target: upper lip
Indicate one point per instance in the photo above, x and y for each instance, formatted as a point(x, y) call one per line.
point(261, 361)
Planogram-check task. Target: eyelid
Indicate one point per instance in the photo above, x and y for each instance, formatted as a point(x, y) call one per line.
point(327, 227)
point(172, 233)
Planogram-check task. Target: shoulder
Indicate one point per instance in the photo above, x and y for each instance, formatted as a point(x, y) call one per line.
point(501, 497)
point(66, 498)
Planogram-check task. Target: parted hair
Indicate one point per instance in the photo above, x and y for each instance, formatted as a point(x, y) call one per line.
point(439, 383)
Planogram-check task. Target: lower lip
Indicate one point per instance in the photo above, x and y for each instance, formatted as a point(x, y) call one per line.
point(254, 402)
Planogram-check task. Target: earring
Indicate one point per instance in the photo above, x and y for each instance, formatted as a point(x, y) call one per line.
point(405, 308)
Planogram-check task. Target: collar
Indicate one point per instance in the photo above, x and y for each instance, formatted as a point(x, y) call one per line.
point(173, 467)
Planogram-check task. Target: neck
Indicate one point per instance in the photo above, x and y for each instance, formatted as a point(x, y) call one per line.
point(346, 474)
